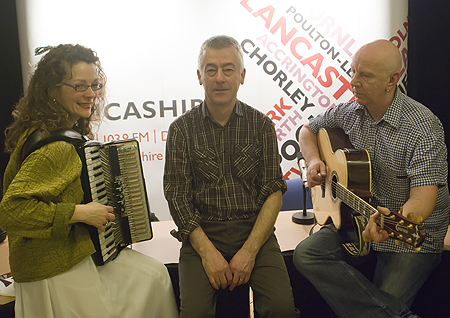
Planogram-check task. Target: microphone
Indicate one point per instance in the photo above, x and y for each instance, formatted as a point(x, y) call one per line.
point(302, 166)
point(305, 217)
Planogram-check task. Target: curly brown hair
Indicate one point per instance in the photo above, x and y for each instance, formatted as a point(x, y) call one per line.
point(38, 109)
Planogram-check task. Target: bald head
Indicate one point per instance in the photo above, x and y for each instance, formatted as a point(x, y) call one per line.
point(375, 74)
point(383, 54)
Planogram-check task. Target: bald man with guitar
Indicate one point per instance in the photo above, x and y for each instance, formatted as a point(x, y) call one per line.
point(377, 169)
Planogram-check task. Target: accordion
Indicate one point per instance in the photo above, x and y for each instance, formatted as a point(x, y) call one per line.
point(112, 175)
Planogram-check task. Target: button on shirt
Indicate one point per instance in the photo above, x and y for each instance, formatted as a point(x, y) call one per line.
point(220, 173)
point(407, 150)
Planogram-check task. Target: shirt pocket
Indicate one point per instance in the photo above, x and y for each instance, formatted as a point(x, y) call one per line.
point(245, 161)
point(205, 166)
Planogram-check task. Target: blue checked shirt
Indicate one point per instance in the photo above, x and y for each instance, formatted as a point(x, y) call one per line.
point(407, 150)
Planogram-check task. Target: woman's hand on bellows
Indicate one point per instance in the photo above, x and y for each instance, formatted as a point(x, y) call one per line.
point(94, 214)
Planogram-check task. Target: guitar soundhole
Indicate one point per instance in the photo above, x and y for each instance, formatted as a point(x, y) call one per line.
point(334, 181)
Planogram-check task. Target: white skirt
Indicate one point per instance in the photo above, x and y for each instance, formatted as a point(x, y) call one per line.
point(133, 285)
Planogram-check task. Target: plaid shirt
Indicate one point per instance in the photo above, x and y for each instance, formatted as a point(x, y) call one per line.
point(407, 150)
point(220, 173)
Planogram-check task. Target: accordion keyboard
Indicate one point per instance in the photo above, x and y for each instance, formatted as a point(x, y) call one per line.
point(115, 178)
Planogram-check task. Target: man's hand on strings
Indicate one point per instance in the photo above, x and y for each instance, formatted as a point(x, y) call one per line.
point(373, 232)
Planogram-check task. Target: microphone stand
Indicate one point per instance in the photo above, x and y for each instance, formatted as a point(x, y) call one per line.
point(304, 217)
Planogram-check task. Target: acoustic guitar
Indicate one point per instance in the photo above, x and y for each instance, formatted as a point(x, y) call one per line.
point(343, 198)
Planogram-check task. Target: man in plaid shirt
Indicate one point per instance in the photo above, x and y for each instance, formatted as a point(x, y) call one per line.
point(223, 184)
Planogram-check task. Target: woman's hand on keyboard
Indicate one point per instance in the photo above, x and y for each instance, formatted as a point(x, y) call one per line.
point(94, 214)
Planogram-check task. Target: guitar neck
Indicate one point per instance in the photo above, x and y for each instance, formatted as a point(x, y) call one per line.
point(397, 226)
point(353, 201)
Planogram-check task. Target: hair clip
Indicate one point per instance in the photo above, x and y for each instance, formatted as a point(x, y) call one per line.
point(42, 49)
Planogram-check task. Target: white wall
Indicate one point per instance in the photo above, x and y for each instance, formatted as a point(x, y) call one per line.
point(149, 52)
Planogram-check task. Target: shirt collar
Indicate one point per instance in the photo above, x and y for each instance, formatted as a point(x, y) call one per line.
point(394, 111)
point(238, 110)
point(392, 114)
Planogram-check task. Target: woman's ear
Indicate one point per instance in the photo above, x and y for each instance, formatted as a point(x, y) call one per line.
point(54, 95)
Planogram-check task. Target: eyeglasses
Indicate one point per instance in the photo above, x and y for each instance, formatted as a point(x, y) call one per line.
point(82, 87)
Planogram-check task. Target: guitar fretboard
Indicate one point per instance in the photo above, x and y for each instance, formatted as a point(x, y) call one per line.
point(396, 229)
point(352, 200)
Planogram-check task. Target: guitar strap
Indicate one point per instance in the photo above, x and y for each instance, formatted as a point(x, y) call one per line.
point(351, 238)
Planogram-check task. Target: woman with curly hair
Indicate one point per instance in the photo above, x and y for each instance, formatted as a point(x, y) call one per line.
point(43, 214)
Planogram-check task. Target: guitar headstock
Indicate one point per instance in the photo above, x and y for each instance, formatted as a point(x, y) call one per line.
point(403, 229)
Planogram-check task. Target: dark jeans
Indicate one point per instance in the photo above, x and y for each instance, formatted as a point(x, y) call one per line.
point(398, 278)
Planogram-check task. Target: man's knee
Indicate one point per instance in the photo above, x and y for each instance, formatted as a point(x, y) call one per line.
point(321, 246)
point(300, 256)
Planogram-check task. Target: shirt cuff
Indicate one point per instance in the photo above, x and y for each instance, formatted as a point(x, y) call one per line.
point(182, 235)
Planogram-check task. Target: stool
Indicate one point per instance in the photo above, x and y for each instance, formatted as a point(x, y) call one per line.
point(234, 303)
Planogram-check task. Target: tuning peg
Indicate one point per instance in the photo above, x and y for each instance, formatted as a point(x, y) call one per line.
point(400, 237)
point(417, 249)
point(409, 241)
point(397, 242)
point(391, 234)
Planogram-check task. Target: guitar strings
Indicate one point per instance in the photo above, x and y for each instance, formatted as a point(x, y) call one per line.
point(364, 208)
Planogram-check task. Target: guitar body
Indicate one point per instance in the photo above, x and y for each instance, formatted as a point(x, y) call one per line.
point(349, 167)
